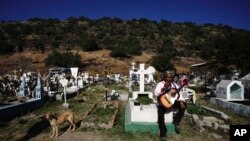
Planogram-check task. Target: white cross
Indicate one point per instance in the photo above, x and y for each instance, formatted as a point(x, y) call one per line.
point(142, 72)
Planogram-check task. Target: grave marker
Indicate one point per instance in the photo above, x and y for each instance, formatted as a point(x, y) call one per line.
point(143, 118)
point(230, 90)
point(64, 83)
point(38, 87)
point(22, 87)
point(142, 73)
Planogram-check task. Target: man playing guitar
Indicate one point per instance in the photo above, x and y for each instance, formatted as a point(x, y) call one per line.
point(177, 102)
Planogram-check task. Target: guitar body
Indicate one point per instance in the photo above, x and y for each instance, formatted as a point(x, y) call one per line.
point(167, 100)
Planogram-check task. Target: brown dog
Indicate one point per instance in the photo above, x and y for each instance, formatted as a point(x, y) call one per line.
point(55, 121)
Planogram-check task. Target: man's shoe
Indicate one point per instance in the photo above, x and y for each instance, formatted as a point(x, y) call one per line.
point(177, 128)
point(163, 139)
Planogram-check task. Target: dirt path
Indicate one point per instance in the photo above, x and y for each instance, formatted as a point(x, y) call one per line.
point(71, 136)
point(92, 136)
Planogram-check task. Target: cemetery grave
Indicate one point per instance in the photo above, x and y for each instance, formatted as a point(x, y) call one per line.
point(228, 96)
point(90, 110)
point(141, 110)
point(100, 117)
point(94, 93)
point(228, 91)
point(21, 98)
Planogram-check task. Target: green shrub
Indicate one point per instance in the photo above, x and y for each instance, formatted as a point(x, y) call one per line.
point(66, 59)
point(196, 109)
point(144, 100)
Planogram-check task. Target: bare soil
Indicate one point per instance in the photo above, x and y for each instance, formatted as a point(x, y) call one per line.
point(94, 62)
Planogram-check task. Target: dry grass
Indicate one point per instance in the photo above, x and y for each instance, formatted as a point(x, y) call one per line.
point(95, 62)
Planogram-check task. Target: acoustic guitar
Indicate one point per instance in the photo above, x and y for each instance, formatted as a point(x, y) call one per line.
point(167, 99)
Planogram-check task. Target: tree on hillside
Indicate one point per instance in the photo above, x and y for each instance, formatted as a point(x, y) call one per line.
point(167, 46)
point(89, 44)
point(65, 59)
point(5, 46)
point(119, 52)
point(162, 62)
point(132, 45)
point(20, 43)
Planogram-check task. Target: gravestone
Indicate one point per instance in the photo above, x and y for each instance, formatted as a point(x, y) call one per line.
point(64, 83)
point(133, 75)
point(86, 77)
point(106, 82)
point(74, 72)
point(246, 82)
point(117, 77)
point(22, 87)
point(38, 87)
point(79, 80)
point(96, 79)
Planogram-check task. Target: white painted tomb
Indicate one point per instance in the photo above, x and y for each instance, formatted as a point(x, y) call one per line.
point(230, 90)
point(145, 113)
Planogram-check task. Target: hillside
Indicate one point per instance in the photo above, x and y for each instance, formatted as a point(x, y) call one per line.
point(95, 62)
point(114, 43)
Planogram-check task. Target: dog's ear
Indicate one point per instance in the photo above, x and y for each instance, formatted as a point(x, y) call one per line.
point(48, 115)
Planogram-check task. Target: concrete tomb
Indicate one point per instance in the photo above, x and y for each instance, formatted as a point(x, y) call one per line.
point(230, 90)
point(143, 118)
point(230, 95)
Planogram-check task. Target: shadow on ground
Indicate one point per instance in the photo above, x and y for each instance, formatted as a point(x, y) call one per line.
point(36, 129)
point(39, 127)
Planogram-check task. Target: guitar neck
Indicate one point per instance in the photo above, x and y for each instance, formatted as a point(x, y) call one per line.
point(178, 90)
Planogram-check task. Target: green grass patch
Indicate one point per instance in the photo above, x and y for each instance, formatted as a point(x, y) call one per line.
point(101, 115)
point(144, 100)
point(196, 109)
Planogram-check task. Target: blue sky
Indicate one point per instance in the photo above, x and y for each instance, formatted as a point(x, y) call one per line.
point(235, 13)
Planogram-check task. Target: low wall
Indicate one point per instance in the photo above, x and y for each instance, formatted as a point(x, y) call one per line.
point(235, 107)
point(12, 110)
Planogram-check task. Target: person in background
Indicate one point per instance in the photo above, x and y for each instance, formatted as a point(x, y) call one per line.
point(161, 88)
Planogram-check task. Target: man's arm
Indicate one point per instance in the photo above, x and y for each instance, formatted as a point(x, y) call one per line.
point(158, 89)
